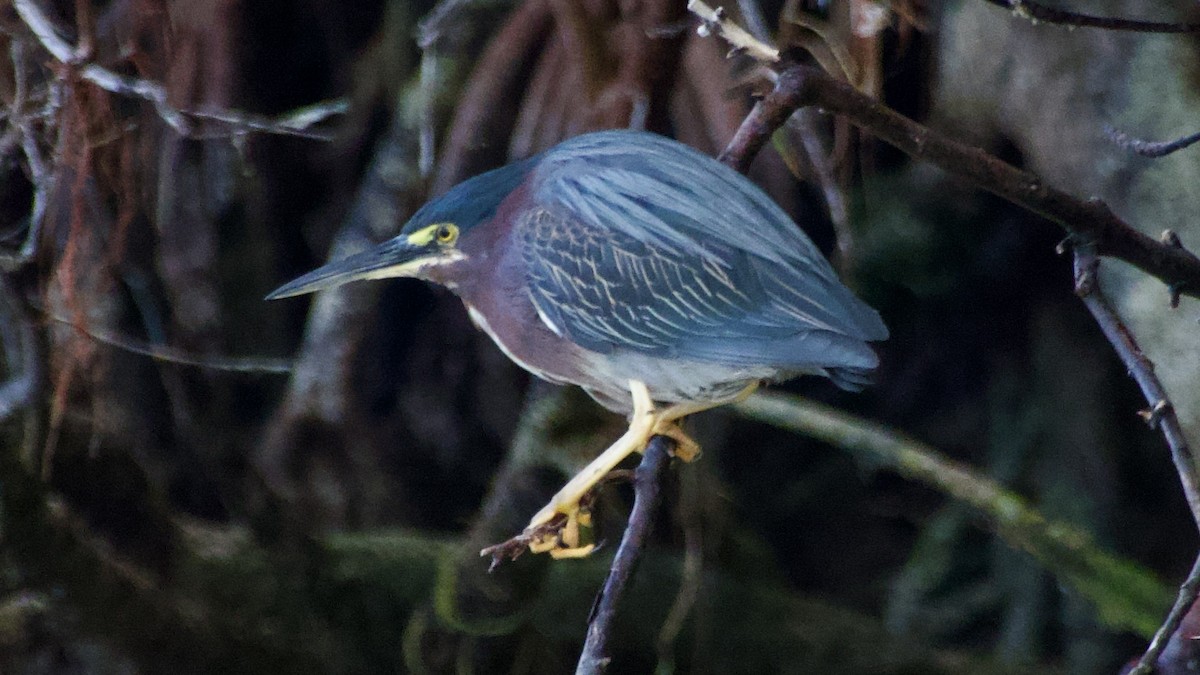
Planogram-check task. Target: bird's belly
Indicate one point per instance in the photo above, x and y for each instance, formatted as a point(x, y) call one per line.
point(668, 380)
point(606, 376)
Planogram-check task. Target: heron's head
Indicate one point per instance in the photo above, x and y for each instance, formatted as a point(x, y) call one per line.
point(431, 240)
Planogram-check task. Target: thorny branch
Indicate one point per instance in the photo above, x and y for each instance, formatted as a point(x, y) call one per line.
point(1039, 13)
point(298, 123)
point(1161, 415)
point(647, 484)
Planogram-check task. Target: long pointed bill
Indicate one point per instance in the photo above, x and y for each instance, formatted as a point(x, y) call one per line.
point(393, 258)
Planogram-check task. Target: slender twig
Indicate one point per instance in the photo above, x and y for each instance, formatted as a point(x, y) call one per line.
point(1039, 13)
point(647, 492)
point(801, 85)
point(1161, 415)
point(715, 21)
point(806, 128)
point(181, 121)
point(1150, 148)
point(260, 365)
point(1188, 591)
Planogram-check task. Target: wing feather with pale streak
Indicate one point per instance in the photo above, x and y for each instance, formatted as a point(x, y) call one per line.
point(609, 291)
point(693, 215)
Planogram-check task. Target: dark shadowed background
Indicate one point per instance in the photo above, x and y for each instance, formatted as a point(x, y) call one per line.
point(195, 480)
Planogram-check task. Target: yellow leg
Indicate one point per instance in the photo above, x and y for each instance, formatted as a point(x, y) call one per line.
point(667, 421)
point(564, 541)
point(555, 528)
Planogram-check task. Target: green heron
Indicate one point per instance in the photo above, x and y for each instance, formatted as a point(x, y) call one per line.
point(658, 279)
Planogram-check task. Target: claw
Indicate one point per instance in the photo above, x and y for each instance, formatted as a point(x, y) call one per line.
point(562, 525)
point(685, 448)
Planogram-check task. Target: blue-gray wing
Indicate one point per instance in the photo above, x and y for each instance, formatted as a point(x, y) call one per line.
point(650, 190)
point(608, 291)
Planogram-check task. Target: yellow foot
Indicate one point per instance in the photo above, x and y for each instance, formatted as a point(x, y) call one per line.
point(561, 527)
point(685, 448)
point(562, 536)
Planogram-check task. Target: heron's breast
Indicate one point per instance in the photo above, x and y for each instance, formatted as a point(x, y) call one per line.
point(499, 304)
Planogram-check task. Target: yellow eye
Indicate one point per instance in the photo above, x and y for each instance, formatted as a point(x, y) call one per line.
point(447, 233)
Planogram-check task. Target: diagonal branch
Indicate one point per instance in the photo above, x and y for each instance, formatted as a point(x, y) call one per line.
point(801, 86)
point(798, 86)
point(1161, 414)
point(1039, 13)
point(1150, 148)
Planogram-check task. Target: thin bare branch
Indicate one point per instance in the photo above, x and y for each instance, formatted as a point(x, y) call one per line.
point(256, 365)
point(298, 122)
point(797, 86)
point(1188, 592)
point(1160, 415)
point(806, 86)
point(182, 121)
point(1149, 148)
point(1039, 13)
point(715, 21)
